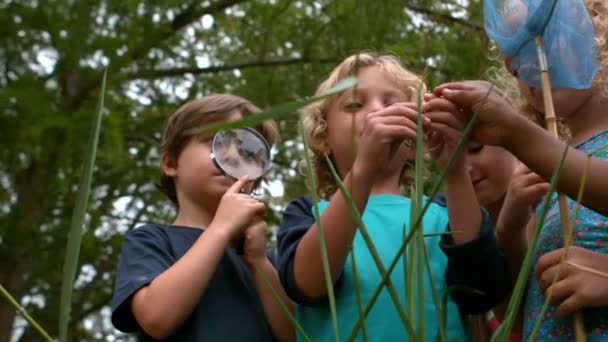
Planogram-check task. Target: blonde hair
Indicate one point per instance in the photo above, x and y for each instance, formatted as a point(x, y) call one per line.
point(598, 10)
point(315, 115)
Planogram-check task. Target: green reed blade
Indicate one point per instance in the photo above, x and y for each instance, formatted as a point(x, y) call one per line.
point(567, 244)
point(24, 314)
point(274, 112)
point(356, 216)
point(284, 307)
point(326, 270)
point(77, 224)
point(524, 273)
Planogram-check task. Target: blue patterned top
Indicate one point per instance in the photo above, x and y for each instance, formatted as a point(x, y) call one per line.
point(590, 232)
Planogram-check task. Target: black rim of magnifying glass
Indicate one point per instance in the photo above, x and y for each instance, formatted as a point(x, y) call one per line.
point(252, 131)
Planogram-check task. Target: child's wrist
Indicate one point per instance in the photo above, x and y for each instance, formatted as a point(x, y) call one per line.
point(256, 262)
point(223, 235)
point(457, 173)
point(362, 171)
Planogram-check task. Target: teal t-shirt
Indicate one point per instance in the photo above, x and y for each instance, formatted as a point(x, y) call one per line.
point(385, 217)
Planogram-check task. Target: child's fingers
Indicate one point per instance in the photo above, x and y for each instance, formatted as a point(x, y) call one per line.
point(465, 98)
point(560, 290)
point(547, 277)
point(430, 97)
point(396, 121)
point(259, 209)
point(569, 306)
point(438, 91)
point(401, 110)
point(258, 227)
point(447, 119)
point(521, 169)
point(547, 261)
point(531, 178)
point(536, 192)
point(236, 187)
point(446, 131)
point(441, 105)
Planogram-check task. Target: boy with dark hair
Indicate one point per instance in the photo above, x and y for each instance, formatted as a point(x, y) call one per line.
point(185, 281)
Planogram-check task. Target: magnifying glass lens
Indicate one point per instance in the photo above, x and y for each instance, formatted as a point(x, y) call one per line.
point(239, 152)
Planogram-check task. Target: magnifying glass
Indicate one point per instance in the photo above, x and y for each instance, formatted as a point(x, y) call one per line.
point(239, 152)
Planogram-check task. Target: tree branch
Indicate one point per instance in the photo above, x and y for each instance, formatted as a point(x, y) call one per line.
point(445, 16)
point(191, 14)
point(170, 72)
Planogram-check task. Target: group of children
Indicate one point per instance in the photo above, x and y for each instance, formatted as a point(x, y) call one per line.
point(186, 281)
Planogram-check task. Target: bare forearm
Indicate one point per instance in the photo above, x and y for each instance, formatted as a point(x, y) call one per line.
point(463, 209)
point(169, 299)
point(279, 322)
point(338, 232)
point(530, 141)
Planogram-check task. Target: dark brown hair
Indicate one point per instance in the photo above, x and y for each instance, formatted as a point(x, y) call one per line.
point(199, 112)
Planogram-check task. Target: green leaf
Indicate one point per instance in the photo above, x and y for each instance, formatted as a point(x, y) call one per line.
point(77, 225)
point(274, 112)
point(526, 268)
point(24, 314)
point(283, 306)
point(356, 216)
point(326, 271)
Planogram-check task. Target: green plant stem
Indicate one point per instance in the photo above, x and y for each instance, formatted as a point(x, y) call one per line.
point(24, 314)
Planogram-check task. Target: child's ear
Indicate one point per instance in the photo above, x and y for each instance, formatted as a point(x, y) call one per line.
point(168, 165)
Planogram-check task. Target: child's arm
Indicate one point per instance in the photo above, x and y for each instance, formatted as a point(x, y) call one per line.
point(500, 124)
point(577, 286)
point(463, 208)
point(382, 132)
point(474, 260)
point(163, 305)
point(263, 271)
point(517, 217)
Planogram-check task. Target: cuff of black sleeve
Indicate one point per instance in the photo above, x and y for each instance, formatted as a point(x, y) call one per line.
point(297, 296)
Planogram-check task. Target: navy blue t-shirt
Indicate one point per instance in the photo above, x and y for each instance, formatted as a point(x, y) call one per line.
point(229, 309)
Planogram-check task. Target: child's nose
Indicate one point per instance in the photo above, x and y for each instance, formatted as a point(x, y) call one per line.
point(374, 106)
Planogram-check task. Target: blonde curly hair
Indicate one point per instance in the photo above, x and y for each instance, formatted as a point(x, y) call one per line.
point(314, 116)
point(598, 9)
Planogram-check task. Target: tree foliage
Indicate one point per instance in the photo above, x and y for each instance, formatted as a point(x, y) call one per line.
point(158, 55)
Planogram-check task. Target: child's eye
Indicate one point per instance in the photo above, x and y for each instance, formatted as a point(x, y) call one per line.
point(474, 149)
point(353, 106)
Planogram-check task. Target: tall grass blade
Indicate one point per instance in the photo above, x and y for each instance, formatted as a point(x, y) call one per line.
point(283, 305)
point(326, 270)
point(24, 314)
point(419, 195)
point(356, 216)
point(524, 273)
point(358, 292)
point(567, 244)
point(77, 224)
point(274, 112)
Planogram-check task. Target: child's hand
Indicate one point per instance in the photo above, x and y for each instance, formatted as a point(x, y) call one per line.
point(525, 192)
point(382, 135)
point(255, 243)
point(575, 288)
point(496, 113)
point(447, 127)
point(236, 210)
